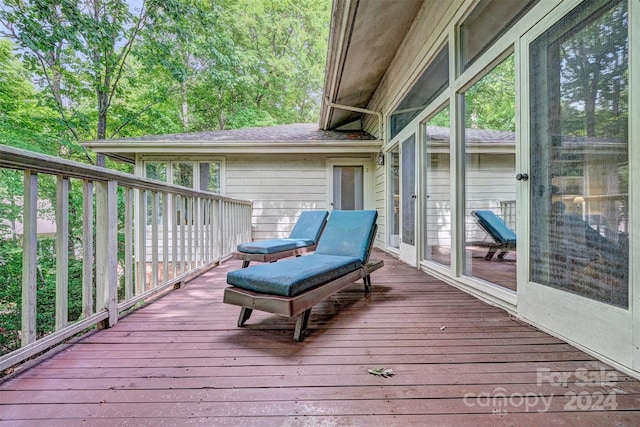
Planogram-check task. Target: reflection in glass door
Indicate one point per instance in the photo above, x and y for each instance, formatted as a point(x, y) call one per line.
point(393, 165)
point(437, 227)
point(408, 199)
point(408, 191)
point(489, 183)
point(348, 188)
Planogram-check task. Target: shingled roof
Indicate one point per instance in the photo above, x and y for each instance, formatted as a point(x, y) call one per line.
point(294, 132)
point(269, 139)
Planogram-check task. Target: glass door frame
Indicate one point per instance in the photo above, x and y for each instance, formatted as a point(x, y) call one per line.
point(367, 178)
point(407, 253)
point(434, 109)
point(611, 332)
point(409, 250)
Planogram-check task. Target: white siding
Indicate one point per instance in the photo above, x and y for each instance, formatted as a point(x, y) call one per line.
point(280, 187)
point(380, 206)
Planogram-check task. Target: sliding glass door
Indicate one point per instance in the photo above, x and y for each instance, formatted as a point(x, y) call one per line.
point(579, 185)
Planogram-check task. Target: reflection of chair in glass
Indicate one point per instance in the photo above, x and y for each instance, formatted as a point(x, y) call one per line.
point(587, 262)
point(303, 238)
point(504, 238)
point(574, 237)
point(293, 286)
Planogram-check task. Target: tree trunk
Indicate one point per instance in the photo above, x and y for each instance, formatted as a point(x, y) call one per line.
point(103, 108)
point(185, 108)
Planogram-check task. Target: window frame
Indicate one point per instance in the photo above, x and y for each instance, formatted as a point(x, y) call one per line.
point(183, 159)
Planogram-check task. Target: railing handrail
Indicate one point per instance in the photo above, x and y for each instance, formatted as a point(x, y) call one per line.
point(15, 158)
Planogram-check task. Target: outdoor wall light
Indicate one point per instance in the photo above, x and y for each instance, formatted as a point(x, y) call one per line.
point(381, 158)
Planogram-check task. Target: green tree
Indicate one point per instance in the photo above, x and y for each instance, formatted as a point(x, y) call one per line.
point(594, 76)
point(241, 63)
point(79, 49)
point(184, 47)
point(24, 121)
point(490, 103)
point(285, 46)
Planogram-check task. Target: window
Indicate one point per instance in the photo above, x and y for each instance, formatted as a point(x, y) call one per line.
point(489, 171)
point(183, 174)
point(348, 186)
point(205, 176)
point(431, 83)
point(487, 23)
point(437, 135)
point(210, 176)
point(156, 170)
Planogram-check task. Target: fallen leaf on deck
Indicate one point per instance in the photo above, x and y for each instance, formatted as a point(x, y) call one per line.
point(381, 372)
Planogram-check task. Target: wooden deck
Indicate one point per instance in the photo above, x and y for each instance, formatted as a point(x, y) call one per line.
point(182, 361)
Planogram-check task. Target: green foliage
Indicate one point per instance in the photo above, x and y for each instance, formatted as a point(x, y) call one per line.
point(173, 66)
point(595, 77)
point(11, 291)
point(251, 116)
point(24, 121)
point(285, 45)
point(490, 103)
point(441, 119)
point(238, 63)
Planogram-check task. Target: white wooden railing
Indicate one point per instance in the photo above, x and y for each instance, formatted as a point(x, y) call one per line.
point(508, 212)
point(165, 235)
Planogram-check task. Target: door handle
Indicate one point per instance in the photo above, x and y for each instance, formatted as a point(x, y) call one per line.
point(522, 177)
point(414, 196)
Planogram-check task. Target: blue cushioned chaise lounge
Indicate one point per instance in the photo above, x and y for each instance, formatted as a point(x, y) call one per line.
point(293, 286)
point(303, 238)
point(503, 237)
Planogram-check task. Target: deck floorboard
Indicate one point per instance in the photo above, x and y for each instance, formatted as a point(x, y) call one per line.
point(182, 361)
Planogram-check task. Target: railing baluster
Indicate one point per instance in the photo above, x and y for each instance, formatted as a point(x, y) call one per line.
point(107, 250)
point(174, 233)
point(141, 243)
point(29, 257)
point(62, 251)
point(128, 243)
point(154, 239)
point(215, 228)
point(209, 246)
point(196, 232)
point(202, 231)
point(183, 225)
point(221, 232)
point(165, 237)
point(87, 248)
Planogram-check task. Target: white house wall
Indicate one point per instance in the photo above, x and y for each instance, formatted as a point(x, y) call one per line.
point(280, 187)
point(380, 205)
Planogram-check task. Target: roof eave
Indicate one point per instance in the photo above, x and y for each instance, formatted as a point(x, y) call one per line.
point(128, 151)
point(342, 14)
